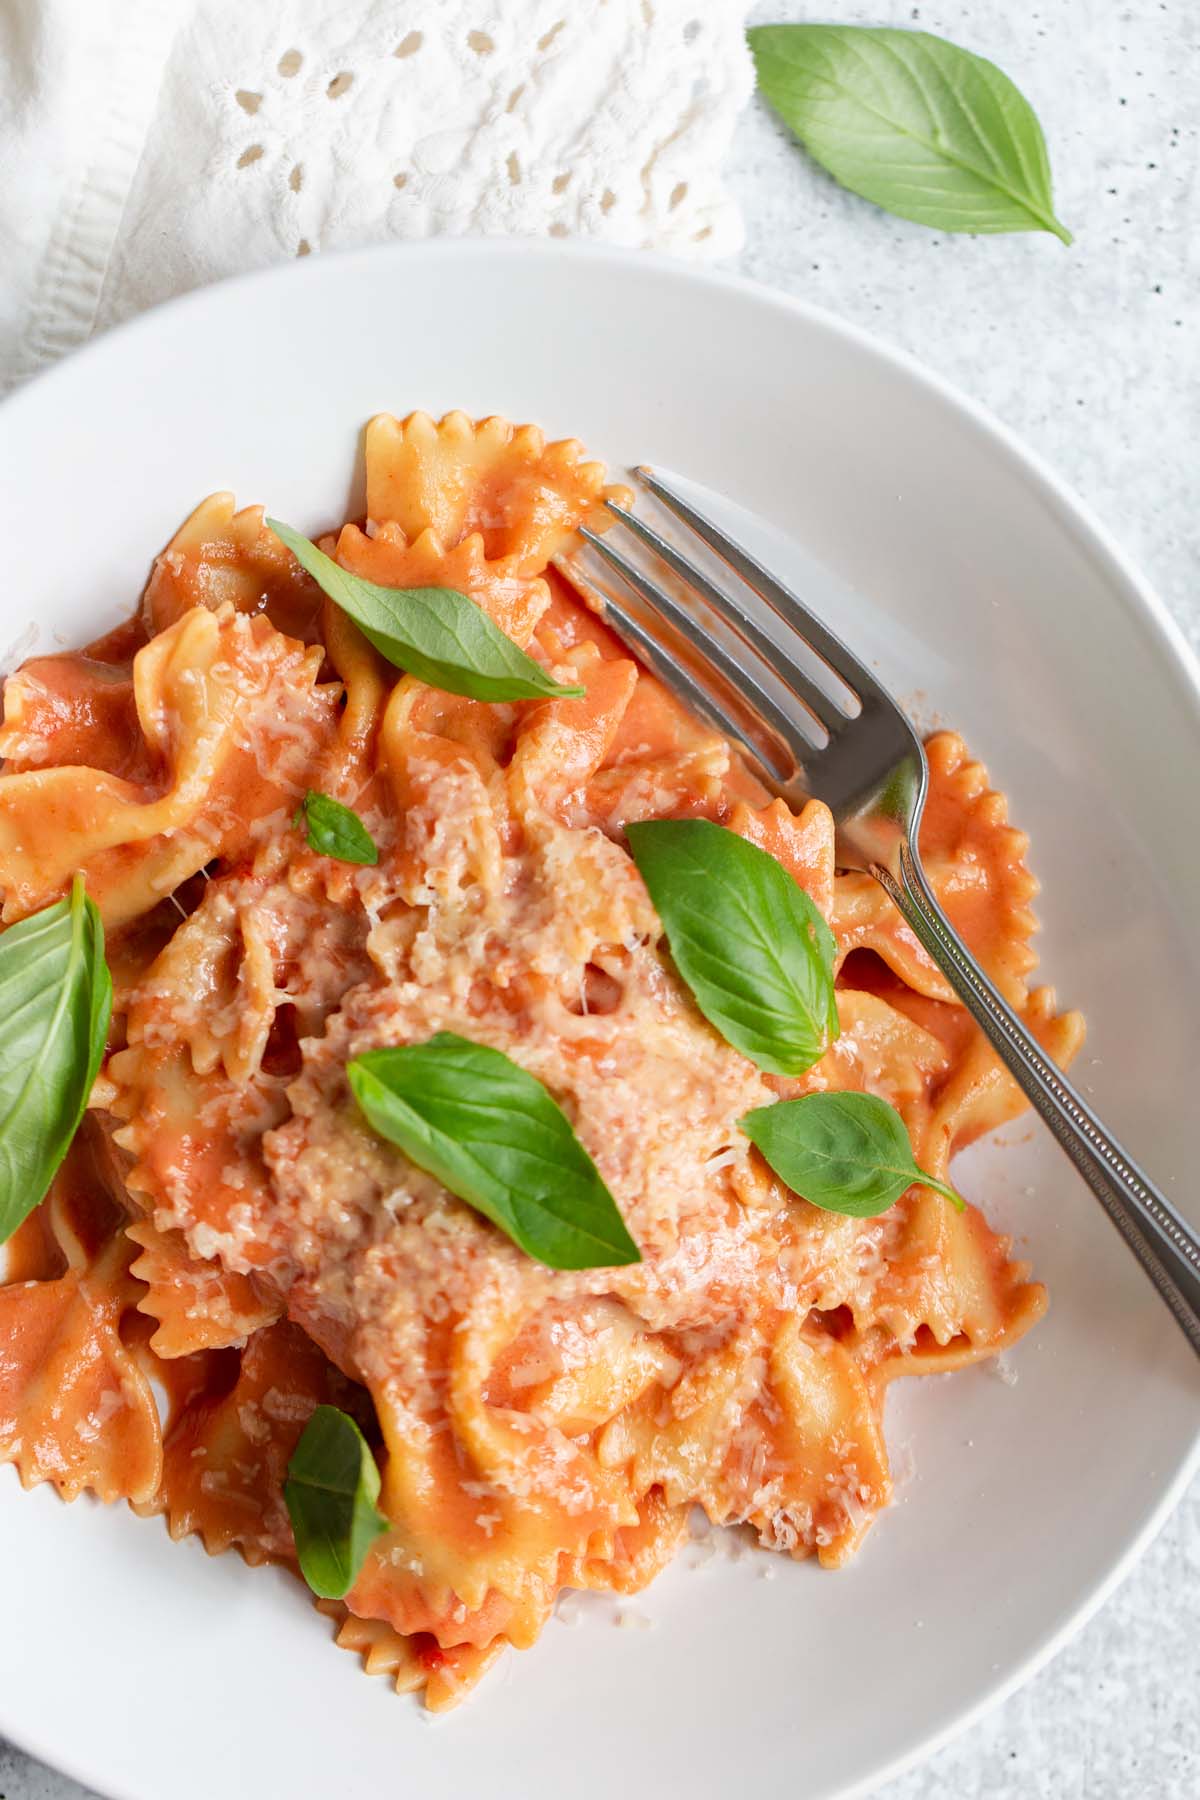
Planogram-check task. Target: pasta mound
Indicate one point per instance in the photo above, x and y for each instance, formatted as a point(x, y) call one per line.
point(226, 1220)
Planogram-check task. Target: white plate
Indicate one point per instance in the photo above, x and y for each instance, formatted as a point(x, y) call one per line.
point(156, 1674)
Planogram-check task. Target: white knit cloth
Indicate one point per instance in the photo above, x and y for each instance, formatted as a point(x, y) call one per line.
point(147, 146)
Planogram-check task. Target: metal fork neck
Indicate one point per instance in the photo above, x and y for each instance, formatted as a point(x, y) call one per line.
point(1159, 1237)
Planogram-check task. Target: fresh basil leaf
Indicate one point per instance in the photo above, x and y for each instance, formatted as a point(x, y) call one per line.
point(435, 633)
point(331, 1489)
point(55, 1003)
point(845, 1152)
point(925, 130)
point(334, 830)
point(492, 1134)
point(746, 938)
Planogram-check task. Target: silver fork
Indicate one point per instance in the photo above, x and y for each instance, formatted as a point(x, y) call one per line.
point(817, 723)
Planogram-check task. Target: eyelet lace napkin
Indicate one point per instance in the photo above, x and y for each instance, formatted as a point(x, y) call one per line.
point(147, 146)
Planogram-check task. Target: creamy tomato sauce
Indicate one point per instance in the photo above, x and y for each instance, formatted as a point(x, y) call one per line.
point(230, 1225)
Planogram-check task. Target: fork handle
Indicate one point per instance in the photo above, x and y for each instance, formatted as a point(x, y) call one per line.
point(1161, 1240)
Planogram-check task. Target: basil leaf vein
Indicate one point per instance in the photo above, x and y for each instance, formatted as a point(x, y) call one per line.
point(749, 942)
point(844, 1152)
point(56, 995)
point(491, 1133)
point(334, 830)
point(331, 1489)
point(441, 636)
point(922, 128)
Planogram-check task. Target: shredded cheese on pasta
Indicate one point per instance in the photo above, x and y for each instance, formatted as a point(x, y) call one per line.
point(228, 1223)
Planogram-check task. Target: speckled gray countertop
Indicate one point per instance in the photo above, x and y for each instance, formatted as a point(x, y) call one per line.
point(1093, 356)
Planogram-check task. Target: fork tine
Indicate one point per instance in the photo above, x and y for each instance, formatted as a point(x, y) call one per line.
point(679, 680)
point(782, 601)
point(774, 654)
point(741, 676)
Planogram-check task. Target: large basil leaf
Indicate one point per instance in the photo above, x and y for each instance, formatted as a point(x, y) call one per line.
point(55, 1002)
point(845, 1152)
point(746, 938)
point(435, 633)
point(925, 130)
point(492, 1134)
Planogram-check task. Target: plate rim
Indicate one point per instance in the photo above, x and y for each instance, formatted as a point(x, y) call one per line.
point(1084, 522)
point(1141, 602)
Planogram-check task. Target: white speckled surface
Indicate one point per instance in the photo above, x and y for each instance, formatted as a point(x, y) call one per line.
point(1093, 355)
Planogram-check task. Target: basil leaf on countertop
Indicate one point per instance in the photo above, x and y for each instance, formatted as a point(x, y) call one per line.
point(845, 1152)
point(331, 1489)
point(55, 1003)
point(441, 636)
point(746, 938)
point(334, 830)
point(493, 1135)
point(920, 127)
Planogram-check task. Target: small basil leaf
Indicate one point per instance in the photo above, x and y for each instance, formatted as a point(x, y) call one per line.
point(334, 830)
point(492, 1134)
point(746, 938)
point(331, 1489)
point(921, 128)
point(435, 633)
point(55, 1002)
point(845, 1152)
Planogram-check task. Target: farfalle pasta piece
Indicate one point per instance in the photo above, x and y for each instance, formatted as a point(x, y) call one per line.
point(820, 1426)
point(881, 1051)
point(637, 1553)
point(195, 1305)
point(480, 508)
point(979, 1095)
point(484, 1475)
point(803, 843)
point(520, 1491)
point(366, 680)
point(573, 1368)
point(950, 1284)
point(455, 477)
point(514, 600)
point(561, 744)
point(222, 557)
point(452, 844)
point(943, 1281)
point(685, 784)
point(233, 710)
point(775, 1429)
point(661, 763)
point(76, 1409)
point(414, 1664)
point(212, 1035)
point(228, 1446)
point(76, 709)
point(975, 861)
point(382, 1649)
point(948, 1280)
